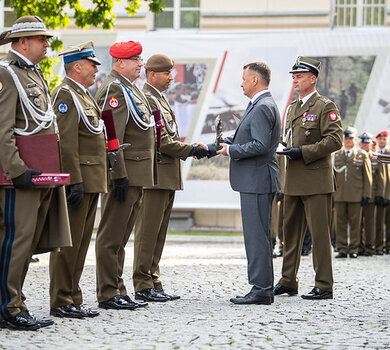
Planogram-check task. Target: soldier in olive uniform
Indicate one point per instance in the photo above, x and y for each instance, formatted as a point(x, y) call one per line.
point(84, 156)
point(312, 132)
point(24, 209)
point(353, 182)
point(135, 167)
point(367, 239)
point(152, 223)
point(383, 213)
point(277, 209)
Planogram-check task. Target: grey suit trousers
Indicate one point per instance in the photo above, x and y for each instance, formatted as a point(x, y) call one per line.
point(256, 221)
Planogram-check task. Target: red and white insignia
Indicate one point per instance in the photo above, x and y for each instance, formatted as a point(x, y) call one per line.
point(113, 102)
point(332, 116)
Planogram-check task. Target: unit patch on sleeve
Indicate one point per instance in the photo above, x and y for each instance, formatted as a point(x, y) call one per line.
point(113, 102)
point(63, 108)
point(333, 116)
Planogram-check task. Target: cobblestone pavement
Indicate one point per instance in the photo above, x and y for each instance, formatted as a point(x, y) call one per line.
point(206, 273)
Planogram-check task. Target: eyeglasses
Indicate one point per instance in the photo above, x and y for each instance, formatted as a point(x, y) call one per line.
point(136, 58)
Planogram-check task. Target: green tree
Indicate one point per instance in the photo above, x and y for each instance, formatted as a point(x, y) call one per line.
point(54, 15)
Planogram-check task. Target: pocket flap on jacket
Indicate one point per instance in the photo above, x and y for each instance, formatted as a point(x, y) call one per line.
point(137, 155)
point(89, 160)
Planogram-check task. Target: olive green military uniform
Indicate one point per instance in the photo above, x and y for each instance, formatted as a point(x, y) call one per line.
point(316, 128)
point(277, 206)
point(28, 217)
point(368, 233)
point(383, 232)
point(152, 223)
point(84, 156)
point(138, 163)
point(353, 181)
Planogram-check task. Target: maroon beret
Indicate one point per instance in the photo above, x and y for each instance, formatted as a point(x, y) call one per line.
point(383, 133)
point(125, 49)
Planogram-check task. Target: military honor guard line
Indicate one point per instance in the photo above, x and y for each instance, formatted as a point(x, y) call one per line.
point(124, 145)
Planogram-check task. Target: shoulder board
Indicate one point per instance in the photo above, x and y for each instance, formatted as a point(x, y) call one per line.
point(324, 99)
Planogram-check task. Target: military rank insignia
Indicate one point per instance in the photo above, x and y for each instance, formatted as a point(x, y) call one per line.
point(63, 108)
point(332, 116)
point(113, 102)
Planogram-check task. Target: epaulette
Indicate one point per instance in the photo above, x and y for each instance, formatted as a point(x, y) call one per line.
point(324, 99)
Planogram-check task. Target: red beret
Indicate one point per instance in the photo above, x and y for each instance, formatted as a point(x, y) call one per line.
point(383, 133)
point(125, 49)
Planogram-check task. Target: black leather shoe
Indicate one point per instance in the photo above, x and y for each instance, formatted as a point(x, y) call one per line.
point(86, 312)
point(252, 298)
point(353, 255)
point(306, 252)
point(135, 303)
point(341, 256)
point(150, 295)
point(117, 302)
point(279, 289)
point(42, 323)
point(386, 251)
point(67, 311)
point(379, 252)
point(318, 294)
point(170, 296)
point(367, 254)
point(20, 322)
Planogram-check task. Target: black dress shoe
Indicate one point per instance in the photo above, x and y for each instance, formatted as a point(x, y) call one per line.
point(34, 260)
point(170, 296)
point(279, 289)
point(367, 254)
point(386, 251)
point(379, 252)
point(117, 302)
point(135, 303)
point(341, 256)
point(318, 294)
point(150, 295)
point(353, 255)
point(86, 312)
point(252, 298)
point(67, 311)
point(42, 323)
point(306, 252)
point(20, 322)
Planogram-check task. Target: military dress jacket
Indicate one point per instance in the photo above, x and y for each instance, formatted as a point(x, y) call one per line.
point(378, 178)
point(316, 128)
point(387, 174)
point(12, 116)
point(172, 150)
point(138, 161)
point(353, 176)
point(83, 153)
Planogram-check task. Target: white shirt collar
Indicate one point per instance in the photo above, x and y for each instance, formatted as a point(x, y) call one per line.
point(306, 98)
point(25, 59)
point(159, 93)
point(81, 86)
point(253, 99)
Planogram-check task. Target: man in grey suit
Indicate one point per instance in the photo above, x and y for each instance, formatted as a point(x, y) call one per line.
point(254, 172)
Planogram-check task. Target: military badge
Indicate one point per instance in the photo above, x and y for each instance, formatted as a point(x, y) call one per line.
point(309, 117)
point(113, 102)
point(62, 108)
point(37, 101)
point(333, 116)
point(307, 132)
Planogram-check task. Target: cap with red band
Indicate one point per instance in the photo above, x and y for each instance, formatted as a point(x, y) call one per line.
point(125, 49)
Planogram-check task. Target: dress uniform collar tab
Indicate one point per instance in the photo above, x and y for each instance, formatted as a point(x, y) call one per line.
point(25, 59)
point(151, 87)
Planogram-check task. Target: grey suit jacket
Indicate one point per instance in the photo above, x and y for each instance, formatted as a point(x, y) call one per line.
point(253, 164)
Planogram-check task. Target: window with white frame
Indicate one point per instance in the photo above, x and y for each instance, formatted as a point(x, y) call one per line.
point(178, 14)
point(7, 15)
point(359, 13)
